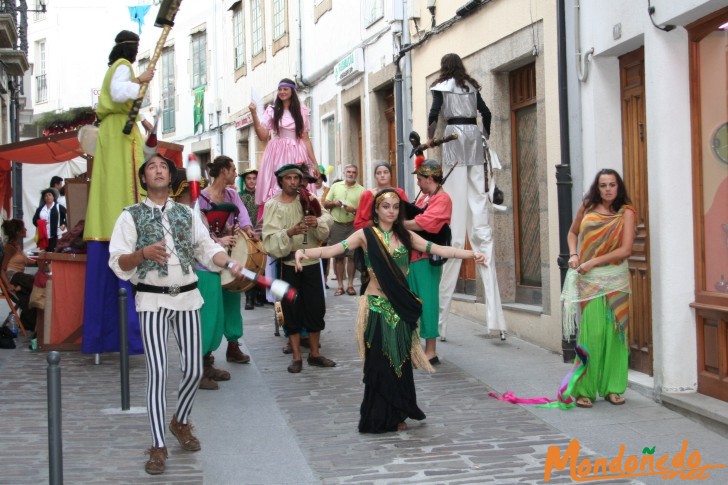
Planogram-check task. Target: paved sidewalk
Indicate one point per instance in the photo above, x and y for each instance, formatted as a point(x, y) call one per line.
point(267, 426)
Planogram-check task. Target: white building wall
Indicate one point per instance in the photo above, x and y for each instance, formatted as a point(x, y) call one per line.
point(77, 49)
point(341, 30)
point(668, 157)
point(671, 209)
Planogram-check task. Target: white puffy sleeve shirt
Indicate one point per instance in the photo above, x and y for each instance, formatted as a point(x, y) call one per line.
point(123, 241)
point(122, 89)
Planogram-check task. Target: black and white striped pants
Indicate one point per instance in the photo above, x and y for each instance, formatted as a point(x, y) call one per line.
point(155, 332)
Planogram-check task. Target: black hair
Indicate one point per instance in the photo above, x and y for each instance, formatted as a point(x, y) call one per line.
point(55, 180)
point(452, 67)
point(47, 191)
point(402, 233)
point(220, 163)
point(12, 228)
point(294, 109)
point(383, 164)
point(126, 46)
point(593, 198)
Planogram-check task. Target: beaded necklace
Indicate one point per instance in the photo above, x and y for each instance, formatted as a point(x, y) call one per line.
point(385, 235)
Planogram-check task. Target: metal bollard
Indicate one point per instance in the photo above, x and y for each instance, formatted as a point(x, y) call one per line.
point(55, 445)
point(123, 351)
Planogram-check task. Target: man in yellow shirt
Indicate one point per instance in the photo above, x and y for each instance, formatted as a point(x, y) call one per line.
point(343, 200)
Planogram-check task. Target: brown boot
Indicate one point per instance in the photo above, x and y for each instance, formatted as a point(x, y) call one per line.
point(155, 463)
point(234, 354)
point(212, 372)
point(207, 382)
point(183, 433)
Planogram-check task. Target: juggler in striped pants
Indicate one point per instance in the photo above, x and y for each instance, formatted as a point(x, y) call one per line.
point(155, 332)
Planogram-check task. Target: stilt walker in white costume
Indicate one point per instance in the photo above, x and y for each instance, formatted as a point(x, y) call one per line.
point(457, 95)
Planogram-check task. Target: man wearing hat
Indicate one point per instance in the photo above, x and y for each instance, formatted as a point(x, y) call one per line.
point(424, 276)
point(286, 229)
point(249, 178)
point(155, 244)
point(113, 186)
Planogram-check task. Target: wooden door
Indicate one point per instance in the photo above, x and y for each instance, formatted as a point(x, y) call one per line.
point(709, 112)
point(634, 159)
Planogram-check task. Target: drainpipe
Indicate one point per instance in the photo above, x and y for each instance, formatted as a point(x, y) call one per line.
point(16, 174)
point(563, 170)
point(399, 117)
point(406, 101)
point(299, 47)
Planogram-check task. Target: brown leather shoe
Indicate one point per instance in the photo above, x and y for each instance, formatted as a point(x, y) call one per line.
point(234, 354)
point(183, 433)
point(155, 463)
point(211, 372)
point(207, 383)
point(219, 374)
point(295, 367)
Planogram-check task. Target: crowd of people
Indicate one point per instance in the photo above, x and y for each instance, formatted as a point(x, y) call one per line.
point(153, 234)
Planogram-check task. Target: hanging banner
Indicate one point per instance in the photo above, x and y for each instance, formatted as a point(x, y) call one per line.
point(199, 110)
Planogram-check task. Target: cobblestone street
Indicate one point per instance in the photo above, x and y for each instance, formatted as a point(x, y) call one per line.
point(267, 426)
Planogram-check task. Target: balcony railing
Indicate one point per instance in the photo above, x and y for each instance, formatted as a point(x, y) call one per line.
point(41, 89)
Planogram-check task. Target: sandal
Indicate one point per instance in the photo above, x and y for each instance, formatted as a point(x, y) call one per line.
point(351, 291)
point(295, 367)
point(339, 292)
point(615, 399)
point(320, 361)
point(583, 402)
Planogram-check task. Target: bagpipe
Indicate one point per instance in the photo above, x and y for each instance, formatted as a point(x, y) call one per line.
point(310, 205)
point(444, 236)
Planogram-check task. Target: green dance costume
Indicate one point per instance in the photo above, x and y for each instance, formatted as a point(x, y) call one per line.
point(387, 334)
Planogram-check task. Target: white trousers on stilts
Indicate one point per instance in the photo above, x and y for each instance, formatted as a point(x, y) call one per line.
point(471, 210)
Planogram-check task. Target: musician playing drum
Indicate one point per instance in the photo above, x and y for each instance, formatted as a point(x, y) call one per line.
point(226, 215)
point(424, 277)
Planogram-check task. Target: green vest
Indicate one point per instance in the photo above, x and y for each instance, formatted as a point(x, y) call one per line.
point(149, 231)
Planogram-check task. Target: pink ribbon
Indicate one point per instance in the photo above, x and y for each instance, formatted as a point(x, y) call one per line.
point(508, 396)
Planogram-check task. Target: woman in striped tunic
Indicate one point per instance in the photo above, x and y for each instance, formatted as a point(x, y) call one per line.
point(598, 285)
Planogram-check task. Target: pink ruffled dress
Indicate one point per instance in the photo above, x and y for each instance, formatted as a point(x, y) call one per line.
point(282, 148)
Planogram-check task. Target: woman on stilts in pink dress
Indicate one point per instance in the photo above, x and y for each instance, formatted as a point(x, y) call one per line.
point(287, 125)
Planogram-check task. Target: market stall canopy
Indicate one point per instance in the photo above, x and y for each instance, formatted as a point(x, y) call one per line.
point(61, 148)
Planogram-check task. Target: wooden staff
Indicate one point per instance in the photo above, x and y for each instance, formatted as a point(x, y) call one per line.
point(165, 19)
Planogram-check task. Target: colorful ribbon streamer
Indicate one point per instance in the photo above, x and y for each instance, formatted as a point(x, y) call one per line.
point(564, 397)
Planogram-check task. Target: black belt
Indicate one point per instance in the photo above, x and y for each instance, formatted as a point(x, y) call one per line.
point(462, 121)
point(173, 290)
